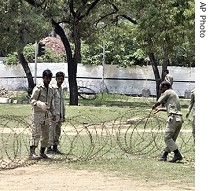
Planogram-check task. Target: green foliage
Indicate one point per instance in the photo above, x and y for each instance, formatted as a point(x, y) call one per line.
point(165, 29)
point(28, 24)
point(165, 26)
point(21, 97)
point(121, 47)
point(11, 59)
point(50, 56)
point(91, 54)
point(29, 53)
point(181, 58)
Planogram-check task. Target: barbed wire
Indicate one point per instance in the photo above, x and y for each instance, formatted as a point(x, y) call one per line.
point(82, 140)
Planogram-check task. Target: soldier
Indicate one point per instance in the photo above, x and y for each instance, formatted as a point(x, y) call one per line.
point(174, 123)
point(168, 77)
point(42, 108)
point(191, 107)
point(55, 130)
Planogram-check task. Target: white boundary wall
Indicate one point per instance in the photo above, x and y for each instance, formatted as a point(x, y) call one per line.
point(116, 79)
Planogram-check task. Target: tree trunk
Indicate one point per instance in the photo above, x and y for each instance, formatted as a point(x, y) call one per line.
point(72, 65)
point(165, 52)
point(28, 73)
point(77, 41)
point(156, 73)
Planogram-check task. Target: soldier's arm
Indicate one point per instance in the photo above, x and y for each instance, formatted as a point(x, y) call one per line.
point(52, 104)
point(35, 96)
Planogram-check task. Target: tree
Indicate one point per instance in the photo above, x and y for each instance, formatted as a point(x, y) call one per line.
point(121, 47)
point(163, 26)
point(78, 17)
point(23, 30)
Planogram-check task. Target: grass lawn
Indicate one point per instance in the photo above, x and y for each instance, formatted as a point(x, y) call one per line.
point(108, 137)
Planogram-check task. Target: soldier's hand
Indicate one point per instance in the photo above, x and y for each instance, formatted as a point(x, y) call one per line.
point(156, 110)
point(154, 106)
point(42, 105)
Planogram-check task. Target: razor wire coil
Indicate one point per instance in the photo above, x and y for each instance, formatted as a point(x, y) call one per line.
point(81, 141)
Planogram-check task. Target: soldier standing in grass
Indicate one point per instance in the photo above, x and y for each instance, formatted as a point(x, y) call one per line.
point(168, 77)
point(174, 123)
point(191, 107)
point(55, 129)
point(43, 112)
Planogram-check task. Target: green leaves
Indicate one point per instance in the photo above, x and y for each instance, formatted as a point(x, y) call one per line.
point(164, 25)
point(21, 25)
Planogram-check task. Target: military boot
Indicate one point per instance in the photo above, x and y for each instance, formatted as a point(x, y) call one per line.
point(42, 154)
point(56, 151)
point(32, 155)
point(49, 150)
point(164, 157)
point(177, 156)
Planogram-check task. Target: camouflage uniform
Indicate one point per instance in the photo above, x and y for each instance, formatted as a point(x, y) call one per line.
point(55, 130)
point(41, 118)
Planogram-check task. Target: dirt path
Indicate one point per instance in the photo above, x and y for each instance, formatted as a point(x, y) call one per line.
point(50, 178)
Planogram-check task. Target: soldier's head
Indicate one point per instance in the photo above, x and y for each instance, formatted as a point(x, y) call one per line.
point(60, 76)
point(164, 86)
point(166, 71)
point(47, 76)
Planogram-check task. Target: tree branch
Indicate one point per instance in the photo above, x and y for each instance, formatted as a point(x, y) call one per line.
point(103, 17)
point(91, 6)
point(35, 3)
point(71, 7)
point(115, 7)
point(130, 19)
